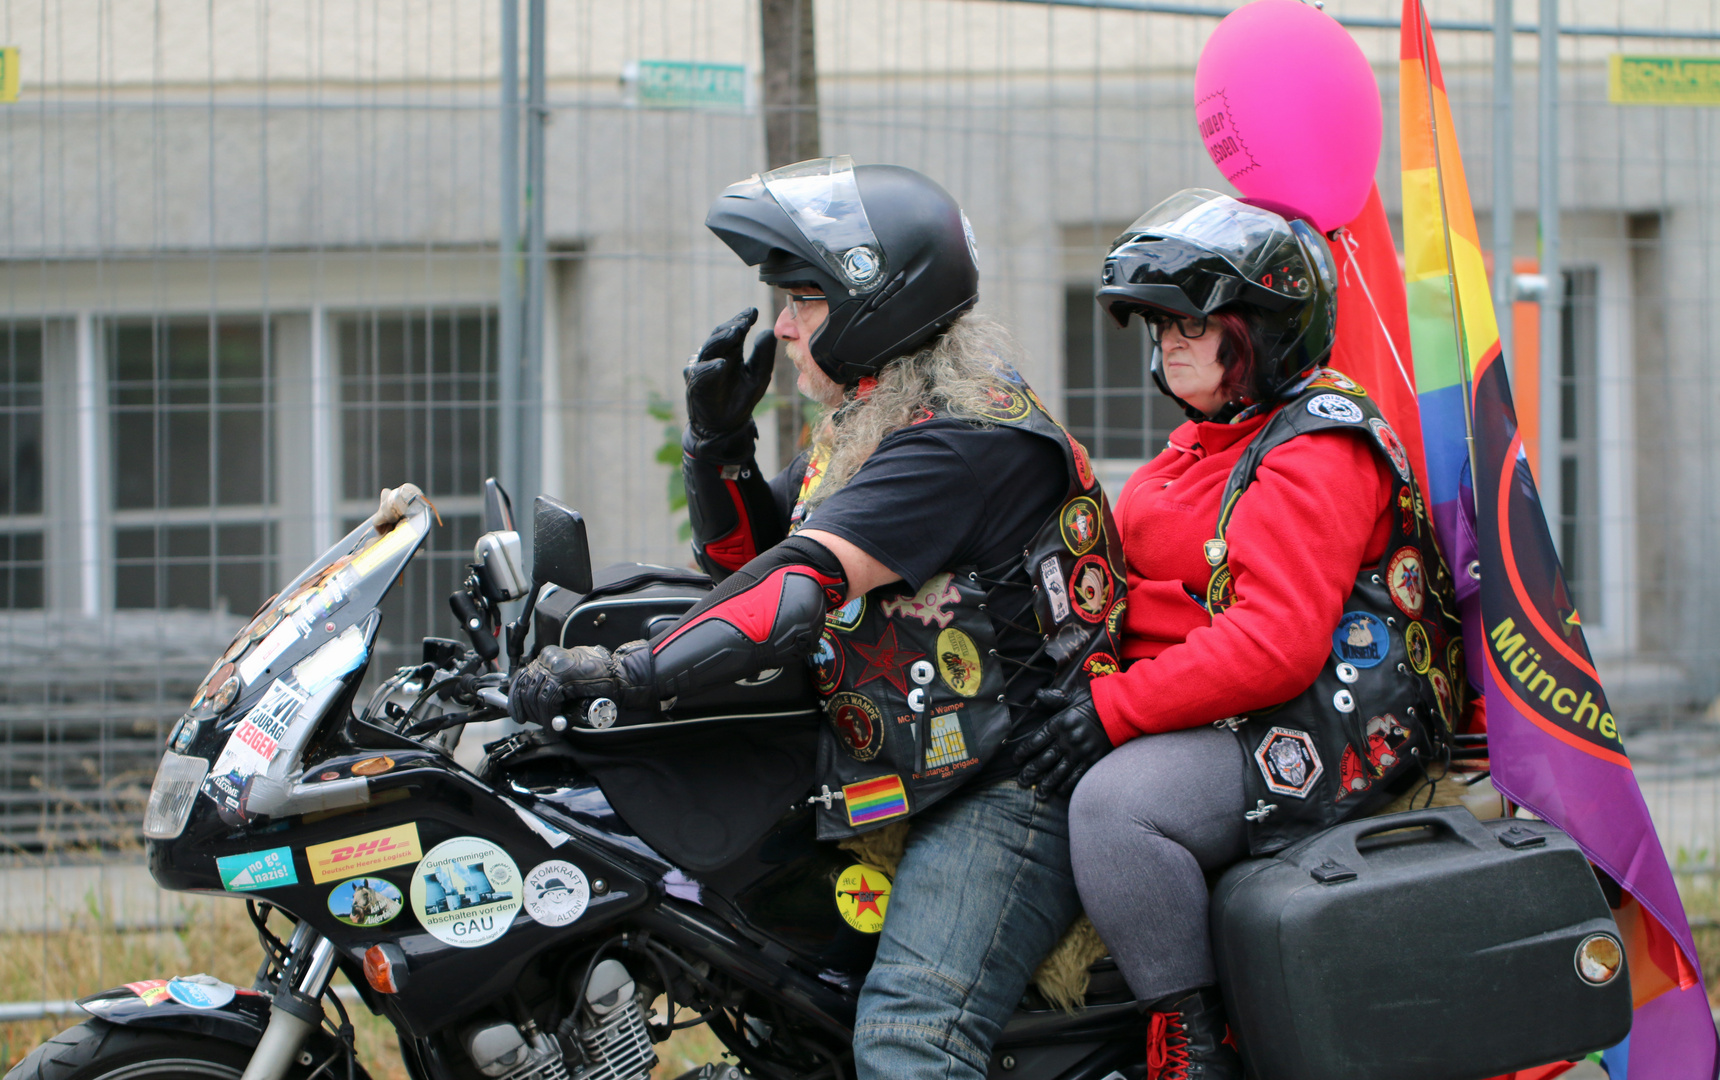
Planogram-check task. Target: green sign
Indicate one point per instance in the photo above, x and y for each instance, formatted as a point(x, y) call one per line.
point(681, 84)
point(1663, 80)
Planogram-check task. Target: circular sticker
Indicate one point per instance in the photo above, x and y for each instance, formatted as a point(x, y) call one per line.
point(1360, 639)
point(1389, 442)
point(1083, 466)
point(1079, 521)
point(863, 897)
point(364, 901)
point(1005, 404)
point(1416, 644)
point(200, 991)
point(848, 616)
point(958, 662)
point(556, 892)
point(466, 892)
point(375, 766)
point(1090, 587)
point(1333, 407)
point(827, 663)
point(858, 724)
point(1100, 663)
point(1407, 581)
point(1114, 617)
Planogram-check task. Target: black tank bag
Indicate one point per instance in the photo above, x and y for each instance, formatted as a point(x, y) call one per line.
point(1388, 696)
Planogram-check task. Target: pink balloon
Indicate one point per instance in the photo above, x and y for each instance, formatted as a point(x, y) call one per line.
point(1289, 111)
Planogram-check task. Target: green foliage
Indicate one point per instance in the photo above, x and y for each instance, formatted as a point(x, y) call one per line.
point(662, 409)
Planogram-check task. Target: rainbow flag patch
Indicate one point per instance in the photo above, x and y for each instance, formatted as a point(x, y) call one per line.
point(875, 800)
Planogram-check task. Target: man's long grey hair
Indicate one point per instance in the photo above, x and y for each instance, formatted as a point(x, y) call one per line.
point(954, 375)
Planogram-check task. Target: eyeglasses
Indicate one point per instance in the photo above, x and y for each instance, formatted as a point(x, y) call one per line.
point(795, 300)
point(1188, 327)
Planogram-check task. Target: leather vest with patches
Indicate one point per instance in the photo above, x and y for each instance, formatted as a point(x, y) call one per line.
point(915, 696)
point(1387, 698)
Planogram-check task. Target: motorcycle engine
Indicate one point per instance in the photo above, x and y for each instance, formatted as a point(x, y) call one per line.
point(609, 1036)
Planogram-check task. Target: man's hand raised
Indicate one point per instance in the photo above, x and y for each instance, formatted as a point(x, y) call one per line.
point(722, 388)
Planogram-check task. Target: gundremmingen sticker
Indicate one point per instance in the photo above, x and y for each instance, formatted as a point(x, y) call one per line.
point(466, 892)
point(556, 892)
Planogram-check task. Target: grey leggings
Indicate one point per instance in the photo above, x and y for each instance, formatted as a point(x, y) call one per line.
point(1145, 825)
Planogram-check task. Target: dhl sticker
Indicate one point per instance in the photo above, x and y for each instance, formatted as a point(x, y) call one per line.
point(364, 854)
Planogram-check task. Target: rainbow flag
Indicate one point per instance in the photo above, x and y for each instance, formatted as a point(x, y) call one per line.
point(875, 800)
point(1553, 741)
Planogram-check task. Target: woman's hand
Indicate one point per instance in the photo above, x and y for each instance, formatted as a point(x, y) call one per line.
point(1055, 757)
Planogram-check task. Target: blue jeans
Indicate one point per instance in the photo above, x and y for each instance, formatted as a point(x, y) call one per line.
point(983, 892)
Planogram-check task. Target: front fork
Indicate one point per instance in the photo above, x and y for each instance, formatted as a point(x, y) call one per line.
point(297, 1010)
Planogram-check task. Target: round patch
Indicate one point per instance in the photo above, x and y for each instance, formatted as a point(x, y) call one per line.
point(1100, 663)
point(1407, 581)
point(848, 616)
point(556, 892)
point(1083, 467)
point(200, 991)
point(1090, 587)
point(827, 663)
point(1454, 660)
point(1079, 521)
point(857, 723)
point(1441, 690)
point(1416, 644)
point(958, 662)
point(1005, 404)
point(863, 897)
point(1333, 407)
point(1288, 762)
point(466, 892)
point(1114, 617)
point(375, 766)
point(1337, 380)
point(364, 901)
point(1390, 443)
point(1360, 639)
point(1220, 590)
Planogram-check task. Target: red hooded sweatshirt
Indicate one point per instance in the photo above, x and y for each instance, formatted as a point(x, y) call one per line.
point(1318, 511)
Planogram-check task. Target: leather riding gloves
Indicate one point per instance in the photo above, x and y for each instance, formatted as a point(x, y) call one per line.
point(559, 678)
point(1055, 757)
point(723, 389)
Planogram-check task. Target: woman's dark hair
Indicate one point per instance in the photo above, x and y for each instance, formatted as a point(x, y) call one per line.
point(1237, 351)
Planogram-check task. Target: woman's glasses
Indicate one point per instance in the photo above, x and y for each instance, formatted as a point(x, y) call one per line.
point(1189, 327)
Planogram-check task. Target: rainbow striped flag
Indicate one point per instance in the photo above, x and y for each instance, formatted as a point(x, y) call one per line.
point(875, 800)
point(1553, 741)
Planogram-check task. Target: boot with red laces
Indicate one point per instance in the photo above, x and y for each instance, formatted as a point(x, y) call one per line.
point(1188, 1040)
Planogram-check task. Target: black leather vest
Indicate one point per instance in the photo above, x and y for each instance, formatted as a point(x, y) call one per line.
point(1387, 698)
point(915, 696)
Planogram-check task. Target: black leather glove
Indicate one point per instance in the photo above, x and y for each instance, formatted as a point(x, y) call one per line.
point(1055, 757)
point(722, 388)
point(558, 678)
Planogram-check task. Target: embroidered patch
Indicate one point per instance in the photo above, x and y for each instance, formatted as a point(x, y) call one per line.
point(1114, 617)
point(927, 605)
point(959, 662)
point(1454, 661)
point(1288, 762)
point(1083, 466)
point(863, 897)
point(1100, 663)
point(1215, 551)
point(947, 744)
point(1361, 639)
point(1408, 522)
point(1337, 380)
point(1390, 443)
point(1090, 587)
point(1407, 581)
point(1333, 407)
point(827, 663)
point(1005, 404)
point(1079, 521)
point(1051, 573)
point(1386, 735)
point(1220, 590)
point(875, 800)
point(1416, 644)
point(858, 725)
point(1353, 776)
point(1442, 690)
point(885, 659)
point(848, 616)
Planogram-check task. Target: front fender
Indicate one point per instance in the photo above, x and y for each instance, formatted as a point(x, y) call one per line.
point(150, 1005)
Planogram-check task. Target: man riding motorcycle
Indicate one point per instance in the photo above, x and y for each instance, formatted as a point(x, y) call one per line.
point(943, 557)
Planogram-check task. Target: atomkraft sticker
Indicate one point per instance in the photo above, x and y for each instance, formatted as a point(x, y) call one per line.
point(257, 870)
point(863, 897)
point(200, 991)
point(466, 892)
point(556, 892)
point(363, 854)
point(364, 901)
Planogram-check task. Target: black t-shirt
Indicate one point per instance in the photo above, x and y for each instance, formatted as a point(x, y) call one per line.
point(943, 494)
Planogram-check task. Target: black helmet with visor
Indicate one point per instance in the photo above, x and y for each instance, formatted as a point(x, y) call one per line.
point(1200, 251)
point(889, 249)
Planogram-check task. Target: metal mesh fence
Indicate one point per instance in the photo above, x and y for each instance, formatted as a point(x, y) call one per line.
point(250, 263)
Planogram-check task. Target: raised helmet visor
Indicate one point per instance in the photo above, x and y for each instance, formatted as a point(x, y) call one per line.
point(822, 199)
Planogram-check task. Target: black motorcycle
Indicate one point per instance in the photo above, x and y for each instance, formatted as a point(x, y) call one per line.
point(519, 920)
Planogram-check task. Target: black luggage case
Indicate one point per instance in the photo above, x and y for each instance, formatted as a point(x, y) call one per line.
point(1445, 952)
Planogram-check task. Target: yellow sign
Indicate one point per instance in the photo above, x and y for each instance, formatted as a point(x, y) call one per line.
point(364, 854)
point(863, 897)
point(1663, 80)
point(9, 73)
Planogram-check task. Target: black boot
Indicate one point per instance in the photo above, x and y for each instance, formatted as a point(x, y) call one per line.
point(1187, 1039)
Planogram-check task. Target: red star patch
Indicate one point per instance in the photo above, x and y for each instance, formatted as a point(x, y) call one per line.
point(886, 660)
point(865, 899)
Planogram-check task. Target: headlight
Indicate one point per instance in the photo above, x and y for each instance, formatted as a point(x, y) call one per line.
point(177, 780)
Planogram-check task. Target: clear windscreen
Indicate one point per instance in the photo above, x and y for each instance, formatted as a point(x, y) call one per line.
point(1249, 238)
point(822, 198)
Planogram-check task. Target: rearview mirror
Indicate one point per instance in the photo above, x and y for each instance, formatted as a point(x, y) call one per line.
point(560, 554)
point(498, 508)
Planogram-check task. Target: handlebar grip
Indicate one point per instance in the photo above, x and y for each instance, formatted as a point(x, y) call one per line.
point(494, 698)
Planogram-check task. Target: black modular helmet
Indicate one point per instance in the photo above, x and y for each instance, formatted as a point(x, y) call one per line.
point(887, 246)
point(1199, 251)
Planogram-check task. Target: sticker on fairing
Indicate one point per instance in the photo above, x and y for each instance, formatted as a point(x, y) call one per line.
point(200, 991)
point(363, 854)
point(365, 901)
point(257, 870)
point(466, 892)
point(556, 892)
